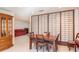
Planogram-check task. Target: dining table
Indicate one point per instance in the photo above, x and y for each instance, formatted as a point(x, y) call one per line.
point(50, 38)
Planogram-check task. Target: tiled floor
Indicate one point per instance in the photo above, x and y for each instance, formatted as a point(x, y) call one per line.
point(22, 45)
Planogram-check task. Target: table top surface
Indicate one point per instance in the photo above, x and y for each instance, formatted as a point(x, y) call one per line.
point(49, 38)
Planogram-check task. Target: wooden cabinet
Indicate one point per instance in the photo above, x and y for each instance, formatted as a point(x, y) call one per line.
point(5, 31)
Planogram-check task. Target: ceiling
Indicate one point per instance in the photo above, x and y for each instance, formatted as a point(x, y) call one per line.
point(24, 13)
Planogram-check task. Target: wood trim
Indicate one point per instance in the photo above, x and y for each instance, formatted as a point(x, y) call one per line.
point(38, 24)
point(60, 26)
point(12, 26)
point(0, 24)
point(73, 26)
point(31, 23)
point(48, 22)
point(6, 24)
point(5, 14)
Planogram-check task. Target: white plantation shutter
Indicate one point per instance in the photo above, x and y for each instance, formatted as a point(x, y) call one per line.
point(54, 23)
point(67, 26)
point(34, 24)
point(40, 24)
point(43, 24)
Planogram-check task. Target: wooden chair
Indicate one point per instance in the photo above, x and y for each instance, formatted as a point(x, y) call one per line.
point(40, 42)
point(71, 44)
point(77, 41)
point(55, 43)
point(32, 39)
point(74, 43)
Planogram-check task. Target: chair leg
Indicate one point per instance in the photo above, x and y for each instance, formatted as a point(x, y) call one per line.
point(30, 44)
point(47, 47)
point(37, 46)
point(43, 48)
point(69, 48)
point(56, 48)
point(75, 48)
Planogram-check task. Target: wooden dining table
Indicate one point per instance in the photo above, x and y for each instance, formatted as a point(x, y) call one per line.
point(50, 38)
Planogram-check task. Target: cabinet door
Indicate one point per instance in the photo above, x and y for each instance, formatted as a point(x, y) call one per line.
point(10, 25)
point(67, 26)
point(34, 24)
point(43, 25)
point(54, 23)
point(3, 24)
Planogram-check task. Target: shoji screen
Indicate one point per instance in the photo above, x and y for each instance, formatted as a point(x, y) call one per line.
point(54, 23)
point(43, 24)
point(66, 26)
point(34, 24)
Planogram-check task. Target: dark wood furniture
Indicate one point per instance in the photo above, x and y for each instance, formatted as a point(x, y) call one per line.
point(77, 44)
point(71, 44)
point(74, 43)
point(77, 41)
point(6, 31)
point(44, 40)
point(5, 42)
point(32, 38)
point(20, 32)
point(40, 42)
point(53, 41)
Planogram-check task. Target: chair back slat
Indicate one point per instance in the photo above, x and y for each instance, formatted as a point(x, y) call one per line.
point(77, 36)
point(57, 37)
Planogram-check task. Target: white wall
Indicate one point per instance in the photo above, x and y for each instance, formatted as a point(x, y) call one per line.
point(18, 24)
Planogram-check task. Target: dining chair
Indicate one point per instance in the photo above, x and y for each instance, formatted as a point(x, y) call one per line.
point(71, 43)
point(46, 36)
point(54, 42)
point(32, 39)
point(77, 41)
point(74, 43)
point(40, 42)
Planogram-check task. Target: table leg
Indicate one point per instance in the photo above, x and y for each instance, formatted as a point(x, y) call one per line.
point(54, 47)
point(37, 46)
point(69, 46)
point(30, 44)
